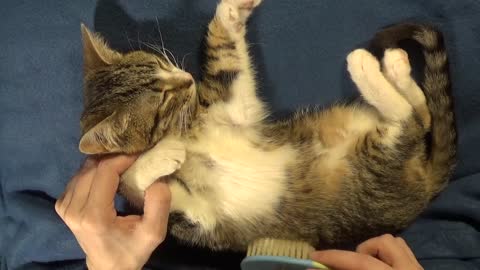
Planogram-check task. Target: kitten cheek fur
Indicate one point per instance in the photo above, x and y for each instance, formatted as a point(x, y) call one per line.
point(131, 101)
point(332, 178)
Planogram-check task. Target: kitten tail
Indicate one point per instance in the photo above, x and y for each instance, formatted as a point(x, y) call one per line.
point(437, 87)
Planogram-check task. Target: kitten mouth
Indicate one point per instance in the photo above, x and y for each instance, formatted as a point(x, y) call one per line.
point(187, 111)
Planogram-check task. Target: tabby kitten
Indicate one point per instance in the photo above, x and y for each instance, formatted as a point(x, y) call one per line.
point(332, 177)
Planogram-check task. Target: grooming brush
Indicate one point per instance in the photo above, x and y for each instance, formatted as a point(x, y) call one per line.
point(277, 254)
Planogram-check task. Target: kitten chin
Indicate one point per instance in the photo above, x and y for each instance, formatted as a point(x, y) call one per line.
point(332, 177)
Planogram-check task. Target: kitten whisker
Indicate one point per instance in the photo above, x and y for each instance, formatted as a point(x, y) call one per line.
point(164, 52)
point(183, 60)
point(138, 41)
point(160, 33)
point(157, 49)
point(182, 113)
point(171, 54)
point(153, 47)
point(129, 41)
point(163, 45)
point(183, 120)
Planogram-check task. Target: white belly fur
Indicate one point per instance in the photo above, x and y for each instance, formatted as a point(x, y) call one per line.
point(238, 181)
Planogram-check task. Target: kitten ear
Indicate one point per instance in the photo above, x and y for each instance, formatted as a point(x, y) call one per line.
point(103, 137)
point(96, 52)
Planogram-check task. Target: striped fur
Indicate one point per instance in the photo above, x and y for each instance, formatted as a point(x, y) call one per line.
point(330, 177)
point(437, 87)
point(131, 100)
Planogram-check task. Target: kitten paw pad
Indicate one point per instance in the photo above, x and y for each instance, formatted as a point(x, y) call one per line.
point(234, 13)
point(244, 4)
point(396, 64)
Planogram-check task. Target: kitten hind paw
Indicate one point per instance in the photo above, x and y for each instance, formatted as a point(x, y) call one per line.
point(396, 66)
point(362, 64)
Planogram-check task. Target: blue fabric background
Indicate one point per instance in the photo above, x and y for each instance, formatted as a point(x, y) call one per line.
point(41, 90)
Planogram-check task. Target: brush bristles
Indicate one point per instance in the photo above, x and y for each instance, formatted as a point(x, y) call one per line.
point(278, 247)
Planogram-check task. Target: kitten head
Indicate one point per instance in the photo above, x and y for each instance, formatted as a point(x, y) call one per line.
point(131, 100)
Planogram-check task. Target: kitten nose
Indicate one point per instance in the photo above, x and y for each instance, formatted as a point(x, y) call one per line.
point(189, 83)
point(177, 79)
point(183, 79)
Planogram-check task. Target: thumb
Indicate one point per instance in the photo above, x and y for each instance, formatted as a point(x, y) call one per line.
point(156, 209)
point(348, 260)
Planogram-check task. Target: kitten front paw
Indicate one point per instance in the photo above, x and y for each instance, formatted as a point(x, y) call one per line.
point(396, 66)
point(163, 159)
point(244, 4)
point(234, 13)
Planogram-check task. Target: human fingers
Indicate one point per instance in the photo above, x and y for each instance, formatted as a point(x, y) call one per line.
point(348, 260)
point(128, 223)
point(386, 249)
point(401, 242)
point(82, 188)
point(155, 211)
point(107, 176)
point(65, 199)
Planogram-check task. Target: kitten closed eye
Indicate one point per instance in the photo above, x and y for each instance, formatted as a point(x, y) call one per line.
point(331, 177)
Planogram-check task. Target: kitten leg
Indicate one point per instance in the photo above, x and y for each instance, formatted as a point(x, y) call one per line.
point(229, 76)
point(163, 159)
point(397, 70)
point(375, 88)
point(381, 154)
point(195, 207)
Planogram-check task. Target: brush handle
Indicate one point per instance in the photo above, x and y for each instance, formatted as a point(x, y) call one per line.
point(279, 262)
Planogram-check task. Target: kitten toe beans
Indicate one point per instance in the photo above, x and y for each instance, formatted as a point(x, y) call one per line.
point(396, 66)
point(244, 4)
point(234, 13)
point(397, 69)
point(364, 69)
point(361, 63)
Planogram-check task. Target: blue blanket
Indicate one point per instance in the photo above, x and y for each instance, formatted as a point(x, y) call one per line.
point(41, 101)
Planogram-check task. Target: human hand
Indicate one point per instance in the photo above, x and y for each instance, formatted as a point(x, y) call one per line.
point(380, 253)
point(110, 241)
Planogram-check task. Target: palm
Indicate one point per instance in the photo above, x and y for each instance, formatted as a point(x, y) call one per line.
point(111, 241)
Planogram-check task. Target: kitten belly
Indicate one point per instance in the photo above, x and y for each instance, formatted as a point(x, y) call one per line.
point(231, 178)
